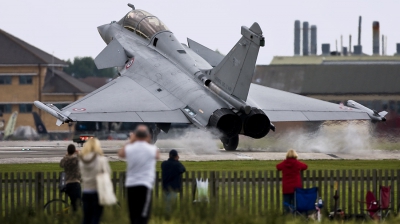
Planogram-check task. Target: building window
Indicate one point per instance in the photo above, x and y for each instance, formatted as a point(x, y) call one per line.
point(5, 108)
point(25, 79)
point(25, 108)
point(5, 80)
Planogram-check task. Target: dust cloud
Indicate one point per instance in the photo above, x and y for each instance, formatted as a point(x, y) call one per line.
point(192, 141)
point(347, 137)
point(350, 137)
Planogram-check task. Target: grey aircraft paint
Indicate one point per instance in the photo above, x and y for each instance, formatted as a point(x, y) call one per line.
point(163, 81)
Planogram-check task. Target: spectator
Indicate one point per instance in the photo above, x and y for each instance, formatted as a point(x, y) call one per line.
point(90, 157)
point(141, 159)
point(70, 163)
point(172, 171)
point(291, 176)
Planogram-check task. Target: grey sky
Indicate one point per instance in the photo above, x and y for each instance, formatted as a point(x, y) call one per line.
point(68, 28)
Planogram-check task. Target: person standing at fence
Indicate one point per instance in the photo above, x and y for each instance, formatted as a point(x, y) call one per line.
point(172, 171)
point(141, 157)
point(291, 176)
point(70, 163)
point(90, 160)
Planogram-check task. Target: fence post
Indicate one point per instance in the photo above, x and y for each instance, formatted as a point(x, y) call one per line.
point(398, 191)
point(212, 184)
point(278, 191)
point(39, 196)
point(1, 194)
point(374, 180)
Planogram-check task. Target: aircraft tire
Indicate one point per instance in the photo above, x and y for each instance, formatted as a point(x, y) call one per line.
point(230, 144)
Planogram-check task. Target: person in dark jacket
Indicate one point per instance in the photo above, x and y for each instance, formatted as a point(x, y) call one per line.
point(70, 163)
point(291, 176)
point(172, 171)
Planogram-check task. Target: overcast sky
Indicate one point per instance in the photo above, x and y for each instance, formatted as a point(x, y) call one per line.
point(68, 28)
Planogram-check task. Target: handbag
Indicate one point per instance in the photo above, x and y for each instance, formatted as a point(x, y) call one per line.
point(105, 188)
point(62, 186)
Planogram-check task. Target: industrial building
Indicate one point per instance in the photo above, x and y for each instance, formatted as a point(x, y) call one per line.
point(338, 76)
point(28, 74)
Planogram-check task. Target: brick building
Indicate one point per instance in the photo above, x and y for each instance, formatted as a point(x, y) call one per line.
point(28, 74)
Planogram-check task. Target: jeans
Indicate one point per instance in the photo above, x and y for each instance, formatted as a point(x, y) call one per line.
point(170, 199)
point(73, 190)
point(92, 210)
point(139, 203)
point(288, 198)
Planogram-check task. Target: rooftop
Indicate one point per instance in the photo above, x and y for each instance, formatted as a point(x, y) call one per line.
point(15, 51)
point(58, 81)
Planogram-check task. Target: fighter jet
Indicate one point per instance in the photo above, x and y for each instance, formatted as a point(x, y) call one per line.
point(162, 81)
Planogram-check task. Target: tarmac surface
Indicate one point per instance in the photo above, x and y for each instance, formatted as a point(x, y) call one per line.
point(52, 151)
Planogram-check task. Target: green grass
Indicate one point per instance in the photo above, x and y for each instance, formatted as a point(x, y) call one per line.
point(185, 213)
point(244, 165)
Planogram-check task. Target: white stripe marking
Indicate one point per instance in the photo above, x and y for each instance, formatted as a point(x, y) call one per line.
point(147, 203)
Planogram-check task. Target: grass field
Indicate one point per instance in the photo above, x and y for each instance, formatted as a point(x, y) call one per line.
point(186, 213)
point(244, 165)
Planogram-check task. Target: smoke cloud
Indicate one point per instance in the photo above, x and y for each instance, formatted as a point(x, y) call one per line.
point(191, 141)
point(330, 137)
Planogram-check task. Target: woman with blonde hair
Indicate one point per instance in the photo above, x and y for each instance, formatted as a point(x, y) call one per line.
point(291, 176)
point(90, 163)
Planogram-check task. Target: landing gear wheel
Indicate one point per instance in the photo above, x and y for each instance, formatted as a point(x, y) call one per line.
point(230, 144)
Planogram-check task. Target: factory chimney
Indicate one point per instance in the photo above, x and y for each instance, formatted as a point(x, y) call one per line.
point(358, 48)
point(305, 39)
point(375, 38)
point(297, 30)
point(359, 31)
point(313, 40)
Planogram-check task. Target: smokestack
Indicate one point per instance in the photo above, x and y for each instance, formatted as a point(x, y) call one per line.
point(375, 38)
point(341, 44)
point(313, 40)
point(383, 44)
point(359, 31)
point(386, 45)
point(305, 39)
point(398, 48)
point(350, 44)
point(326, 49)
point(297, 30)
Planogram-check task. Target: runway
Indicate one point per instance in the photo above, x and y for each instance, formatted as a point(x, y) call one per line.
point(52, 151)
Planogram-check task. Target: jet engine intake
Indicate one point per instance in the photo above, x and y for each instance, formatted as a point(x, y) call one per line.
point(226, 121)
point(256, 124)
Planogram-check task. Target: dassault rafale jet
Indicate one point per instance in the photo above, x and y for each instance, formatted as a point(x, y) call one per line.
point(162, 81)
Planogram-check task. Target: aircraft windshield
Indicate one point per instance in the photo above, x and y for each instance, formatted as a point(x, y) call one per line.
point(143, 23)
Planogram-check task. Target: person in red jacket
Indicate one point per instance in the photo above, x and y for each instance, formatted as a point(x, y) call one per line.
point(291, 177)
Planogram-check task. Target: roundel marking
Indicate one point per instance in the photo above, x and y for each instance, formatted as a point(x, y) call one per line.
point(129, 64)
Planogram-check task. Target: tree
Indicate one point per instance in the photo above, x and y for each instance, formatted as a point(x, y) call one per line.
point(83, 67)
point(219, 52)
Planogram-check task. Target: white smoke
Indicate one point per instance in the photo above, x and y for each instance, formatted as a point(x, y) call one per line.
point(192, 141)
point(331, 137)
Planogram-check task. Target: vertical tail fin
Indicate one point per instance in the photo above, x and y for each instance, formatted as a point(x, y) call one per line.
point(10, 125)
point(40, 128)
point(235, 72)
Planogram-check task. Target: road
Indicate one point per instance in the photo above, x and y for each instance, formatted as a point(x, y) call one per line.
point(52, 151)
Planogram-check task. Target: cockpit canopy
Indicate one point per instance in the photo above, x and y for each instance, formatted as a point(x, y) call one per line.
point(143, 23)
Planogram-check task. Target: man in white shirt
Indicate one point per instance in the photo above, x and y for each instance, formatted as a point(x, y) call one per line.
point(141, 158)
